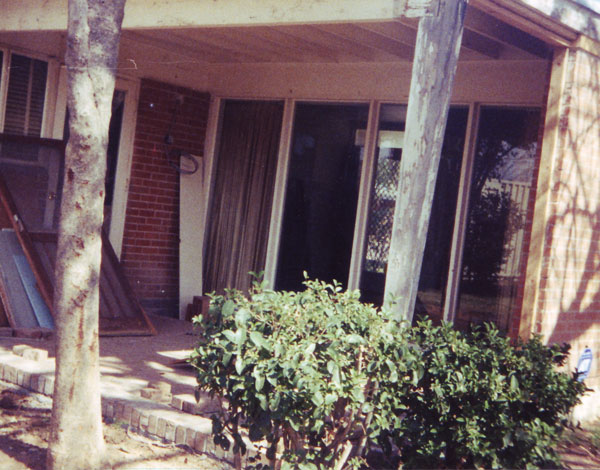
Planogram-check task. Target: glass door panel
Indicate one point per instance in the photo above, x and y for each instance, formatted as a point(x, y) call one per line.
point(434, 272)
point(501, 183)
point(321, 193)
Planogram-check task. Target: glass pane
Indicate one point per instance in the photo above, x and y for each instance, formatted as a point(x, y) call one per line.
point(321, 194)
point(434, 272)
point(436, 259)
point(33, 174)
point(501, 183)
point(112, 152)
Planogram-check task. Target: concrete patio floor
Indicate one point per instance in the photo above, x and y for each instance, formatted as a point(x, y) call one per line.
point(128, 366)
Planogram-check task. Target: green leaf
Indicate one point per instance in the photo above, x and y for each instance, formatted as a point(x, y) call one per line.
point(258, 339)
point(259, 380)
point(317, 398)
point(228, 308)
point(242, 316)
point(239, 365)
point(355, 339)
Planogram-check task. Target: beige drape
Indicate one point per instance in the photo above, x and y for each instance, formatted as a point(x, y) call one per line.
point(242, 195)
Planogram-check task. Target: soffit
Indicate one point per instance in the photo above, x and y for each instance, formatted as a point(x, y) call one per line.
point(485, 38)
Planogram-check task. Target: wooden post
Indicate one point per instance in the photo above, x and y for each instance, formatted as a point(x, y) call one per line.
point(434, 66)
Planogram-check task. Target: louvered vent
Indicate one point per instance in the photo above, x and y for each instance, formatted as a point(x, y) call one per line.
point(25, 97)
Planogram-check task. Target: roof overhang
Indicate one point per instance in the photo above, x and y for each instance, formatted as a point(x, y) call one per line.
point(51, 15)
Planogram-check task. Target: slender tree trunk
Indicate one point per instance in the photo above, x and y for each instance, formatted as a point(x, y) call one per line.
point(434, 66)
point(76, 440)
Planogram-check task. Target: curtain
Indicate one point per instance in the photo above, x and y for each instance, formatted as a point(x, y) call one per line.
point(240, 209)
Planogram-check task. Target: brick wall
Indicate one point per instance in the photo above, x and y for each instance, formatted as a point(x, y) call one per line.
point(568, 308)
point(150, 253)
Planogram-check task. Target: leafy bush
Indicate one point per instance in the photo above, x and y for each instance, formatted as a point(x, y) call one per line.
point(483, 403)
point(300, 368)
point(319, 378)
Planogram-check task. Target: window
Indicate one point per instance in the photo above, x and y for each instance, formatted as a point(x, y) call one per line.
point(26, 95)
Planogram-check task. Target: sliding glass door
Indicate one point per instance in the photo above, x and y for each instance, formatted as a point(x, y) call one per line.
point(321, 193)
point(503, 172)
point(242, 195)
point(337, 192)
point(434, 272)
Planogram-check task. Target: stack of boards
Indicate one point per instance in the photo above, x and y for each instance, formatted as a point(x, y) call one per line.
point(27, 279)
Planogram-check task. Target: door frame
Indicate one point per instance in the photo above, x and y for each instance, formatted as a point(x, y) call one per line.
point(122, 176)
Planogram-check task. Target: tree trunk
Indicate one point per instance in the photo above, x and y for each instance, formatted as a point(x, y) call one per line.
point(76, 440)
point(434, 66)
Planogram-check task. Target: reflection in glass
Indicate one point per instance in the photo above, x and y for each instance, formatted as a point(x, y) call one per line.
point(500, 186)
point(321, 194)
point(434, 272)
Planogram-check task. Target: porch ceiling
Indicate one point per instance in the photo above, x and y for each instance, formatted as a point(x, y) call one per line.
point(485, 38)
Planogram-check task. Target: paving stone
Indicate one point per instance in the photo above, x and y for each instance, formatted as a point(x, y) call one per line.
point(41, 382)
point(151, 394)
point(161, 427)
point(190, 435)
point(10, 374)
point(200, 440)
point(135, 418)
point(19, 349)
point(164, 387)
point(49, 386)
point(26, 380)
point(119, 410)
point(35, 378)
point(152, 424)
point(180, 435)
point(34, 354)
point(127, 412)
point(177, 402)
point(144, 421)
point(170, 432)
point(110, 410)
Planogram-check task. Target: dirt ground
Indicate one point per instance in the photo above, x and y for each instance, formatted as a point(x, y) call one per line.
point(24, 427)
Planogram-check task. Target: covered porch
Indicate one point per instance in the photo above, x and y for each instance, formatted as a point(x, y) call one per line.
point(313, 98)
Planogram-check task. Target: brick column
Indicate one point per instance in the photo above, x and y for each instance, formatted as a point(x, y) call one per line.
point(562, 293)
point(150, 253)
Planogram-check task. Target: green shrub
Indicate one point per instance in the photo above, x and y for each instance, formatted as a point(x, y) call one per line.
point(481, 402)
point(320, 378)
point(300, 368)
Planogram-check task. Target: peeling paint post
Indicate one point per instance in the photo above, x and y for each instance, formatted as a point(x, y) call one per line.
point(434, 67)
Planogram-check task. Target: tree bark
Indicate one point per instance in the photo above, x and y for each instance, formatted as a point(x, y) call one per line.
point(76, 440)
point(434, 66)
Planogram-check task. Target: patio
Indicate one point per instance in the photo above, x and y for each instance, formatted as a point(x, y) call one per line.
point(130, 367)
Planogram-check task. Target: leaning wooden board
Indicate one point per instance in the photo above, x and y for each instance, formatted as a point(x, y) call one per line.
point(120, 312)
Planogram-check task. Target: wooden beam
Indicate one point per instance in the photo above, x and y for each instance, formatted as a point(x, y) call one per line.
point(35, 15)
point(481, 44)
point(486, 25)
point(358, 36)
point(434, 67)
